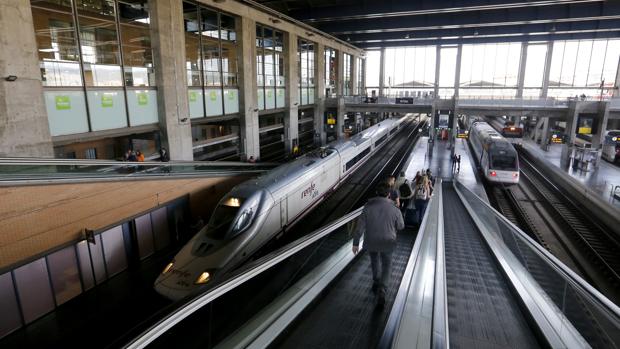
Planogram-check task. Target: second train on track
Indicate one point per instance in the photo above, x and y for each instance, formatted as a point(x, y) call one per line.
point(496, 156)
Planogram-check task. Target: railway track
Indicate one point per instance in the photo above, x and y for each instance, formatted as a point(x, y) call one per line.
point(562, 227)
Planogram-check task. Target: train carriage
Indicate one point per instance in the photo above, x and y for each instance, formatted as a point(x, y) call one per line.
point(258, 210)
point(497, 158)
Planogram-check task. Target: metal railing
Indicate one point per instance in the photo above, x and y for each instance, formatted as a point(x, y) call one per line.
point(15, 171)
point(570, 312)
point(419, 316)
point(200, 301)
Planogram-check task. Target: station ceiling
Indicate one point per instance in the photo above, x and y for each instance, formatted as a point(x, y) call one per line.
point(384, 23)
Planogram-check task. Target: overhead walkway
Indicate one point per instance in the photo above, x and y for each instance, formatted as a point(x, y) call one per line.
point(470, 279)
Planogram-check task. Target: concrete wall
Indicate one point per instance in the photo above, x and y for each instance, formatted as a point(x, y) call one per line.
point(24, 129)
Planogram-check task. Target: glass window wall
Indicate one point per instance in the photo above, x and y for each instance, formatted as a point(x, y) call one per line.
point(211, 61)
point(535, 65)
point(347, 74)
point(305, 50)
point(270, 68)
point(331, 72)
point(490, 66)
point(584, 67)
point(373, 62)
point(409, 68)
point(106, 75)
point(360, 72)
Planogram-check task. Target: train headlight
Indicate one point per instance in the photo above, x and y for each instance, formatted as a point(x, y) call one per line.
point(168, 267)
point(492, 173)
point(203, 278)
point(515, 175)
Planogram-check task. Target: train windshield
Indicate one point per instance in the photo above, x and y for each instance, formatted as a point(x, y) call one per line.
point(503, 161)
point(223, 216)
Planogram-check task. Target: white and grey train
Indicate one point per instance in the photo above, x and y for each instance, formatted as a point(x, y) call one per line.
point(497, 158)
point(256, 211)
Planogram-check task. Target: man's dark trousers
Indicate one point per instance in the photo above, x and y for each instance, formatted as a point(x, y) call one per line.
point(381, 276)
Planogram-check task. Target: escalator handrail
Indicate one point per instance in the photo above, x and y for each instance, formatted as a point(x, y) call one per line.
point(393, 325)
point(571, 275)
point(198, 302)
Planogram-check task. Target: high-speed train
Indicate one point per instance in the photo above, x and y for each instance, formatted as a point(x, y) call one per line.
point(256, 211)
point(496, 156)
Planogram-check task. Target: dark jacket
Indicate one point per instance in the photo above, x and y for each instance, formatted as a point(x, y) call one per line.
point(378, 223)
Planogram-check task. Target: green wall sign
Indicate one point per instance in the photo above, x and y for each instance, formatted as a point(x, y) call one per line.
point(193, 96)
point(143, 98)
point(231, 95)
point(213, 95)
point(107, 101)
point(62, 102)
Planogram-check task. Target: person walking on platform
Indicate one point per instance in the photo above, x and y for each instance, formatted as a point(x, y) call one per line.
point(454, 162)
point(394, 196)
point(458, 163)
point(379, 222)
point(421, 196)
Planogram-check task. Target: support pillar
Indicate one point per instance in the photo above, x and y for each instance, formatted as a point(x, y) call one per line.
point(168, 39)
point(340, 73)
point(574, 109)
point(382, 73)
point(340, 113)
point(319, 107)
point(545, 87)
point(544, 135)
point(24, 127)
point(457, 70)
point(354, 81)
point(291, 117)
point(599, 136)
point(539, 125)
point(522, 64)
point(437, 70)
point(248, 101)
point(616, 92)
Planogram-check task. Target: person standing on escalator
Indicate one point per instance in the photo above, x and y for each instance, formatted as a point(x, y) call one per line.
point(379, 222)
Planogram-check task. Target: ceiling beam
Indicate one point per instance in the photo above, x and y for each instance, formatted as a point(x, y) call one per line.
point(384, 9)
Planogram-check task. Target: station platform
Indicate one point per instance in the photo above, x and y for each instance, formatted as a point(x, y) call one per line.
point(600, 182)
point(440, 164)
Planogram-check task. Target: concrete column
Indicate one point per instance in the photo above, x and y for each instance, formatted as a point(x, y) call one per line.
point(340, 113)
point(291, 67)
point(382, 72)
point(603, 119)
point(521, 76)
point(457, 70)
point(616, 92)
point(437, 70)
point(248, 101)
point(536, 133)
point(574, 109)
point(168, 40)
point(544, 134)
point(24, 127)
point(340, 74)
point(545, 87)
point(319, 96)
point(354, 81)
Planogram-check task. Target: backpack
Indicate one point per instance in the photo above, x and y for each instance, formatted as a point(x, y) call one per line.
point(420, 192)
point(405, 190)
